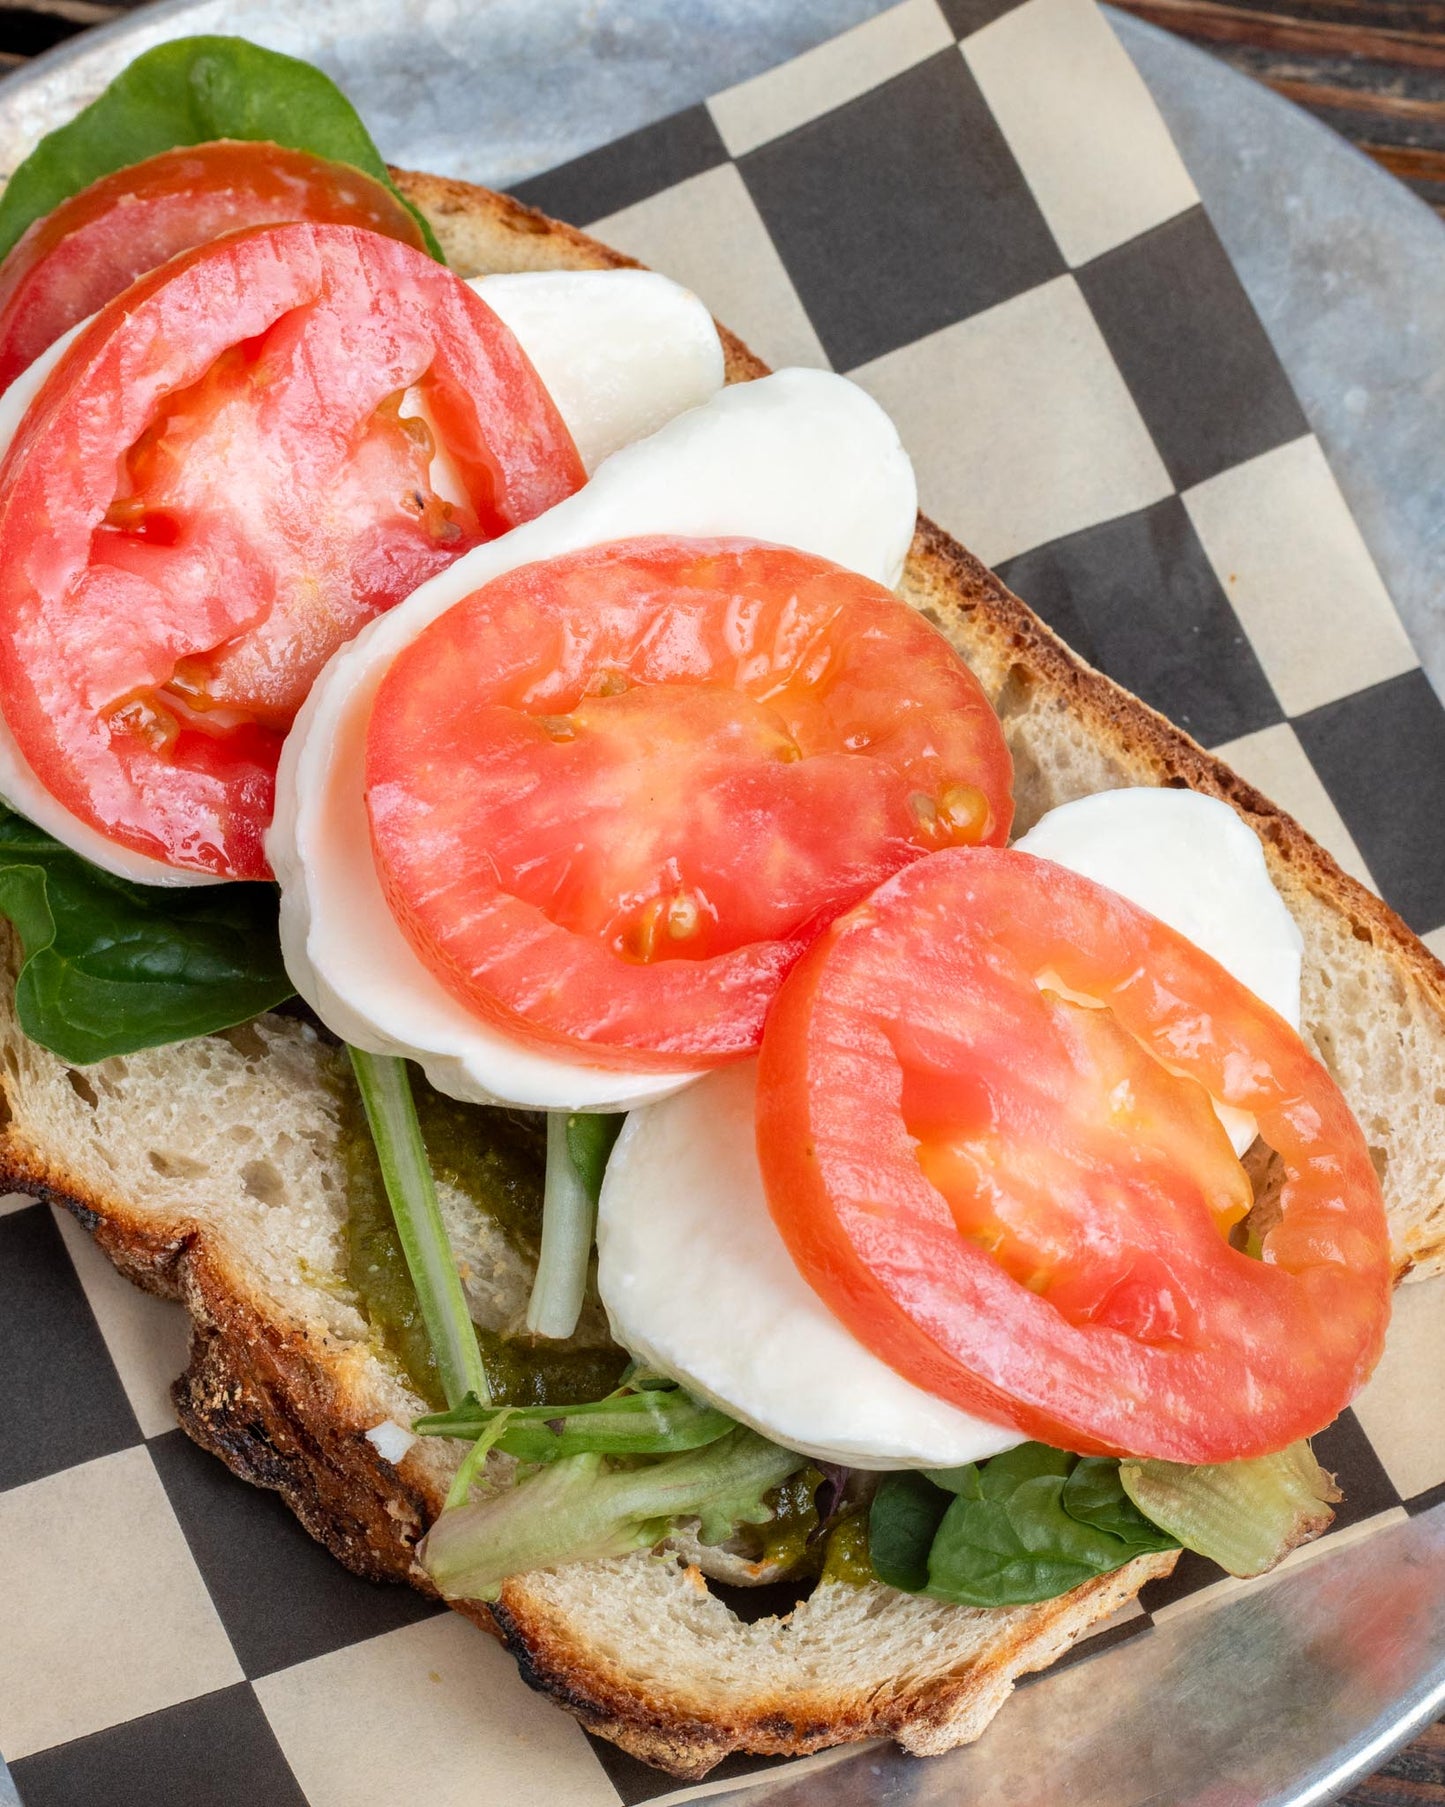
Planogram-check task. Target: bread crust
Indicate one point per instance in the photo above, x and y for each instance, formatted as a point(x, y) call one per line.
point(689, 1735)
point(285, 1400)
point(257, 1391)
point(277, 1410)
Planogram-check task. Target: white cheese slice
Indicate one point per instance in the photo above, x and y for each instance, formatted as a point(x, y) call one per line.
point(699, 1284)
point(802, 459)
point(1189, 860)
point(621, 352)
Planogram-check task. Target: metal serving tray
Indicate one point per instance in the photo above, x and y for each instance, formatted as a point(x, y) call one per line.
point(1282, 1694)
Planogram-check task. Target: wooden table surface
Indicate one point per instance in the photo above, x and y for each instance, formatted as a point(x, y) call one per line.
point(1372, 69)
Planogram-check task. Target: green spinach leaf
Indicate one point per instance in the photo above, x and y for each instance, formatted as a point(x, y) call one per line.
point(190, 91)
point(999, 1475)
point(1004, 1552)
point(1094, 1494)
point(110, 967)
point(903, 1520)
point(1031, 1524)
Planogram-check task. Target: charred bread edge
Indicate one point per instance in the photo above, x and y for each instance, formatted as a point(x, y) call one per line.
point(262, 1397)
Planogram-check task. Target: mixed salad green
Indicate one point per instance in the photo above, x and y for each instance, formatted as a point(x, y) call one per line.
point(110, 967)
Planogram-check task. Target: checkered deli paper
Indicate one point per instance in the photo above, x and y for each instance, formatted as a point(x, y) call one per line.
point(974, 210)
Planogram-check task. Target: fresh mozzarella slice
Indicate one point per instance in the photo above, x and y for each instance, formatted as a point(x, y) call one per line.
point(802, 459)
point(699, 1284)
point(1189, 860)
point(621, 352)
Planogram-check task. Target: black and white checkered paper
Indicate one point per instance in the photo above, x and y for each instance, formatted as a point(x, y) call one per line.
point(972, 208)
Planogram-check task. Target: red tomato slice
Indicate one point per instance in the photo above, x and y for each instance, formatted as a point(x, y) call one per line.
point(667, 766)
point(74, 260)
point(1022, 1203)
point(215, 489)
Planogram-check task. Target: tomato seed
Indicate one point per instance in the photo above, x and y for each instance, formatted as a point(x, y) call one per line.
point(683, 916)
point(964, 810)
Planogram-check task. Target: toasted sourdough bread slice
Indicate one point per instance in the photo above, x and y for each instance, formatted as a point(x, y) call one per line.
point(211, 1172)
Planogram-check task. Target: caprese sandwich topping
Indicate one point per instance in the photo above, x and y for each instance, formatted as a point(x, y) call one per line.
point(612, 796)
point(217, 486)
point(570, 703)
point(993, 1189)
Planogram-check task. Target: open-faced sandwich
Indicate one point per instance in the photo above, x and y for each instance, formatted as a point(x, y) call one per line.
point(796, 1079)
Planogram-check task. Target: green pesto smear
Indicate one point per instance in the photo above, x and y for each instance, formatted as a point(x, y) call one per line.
point(524, 1370)
point(791, 1538)
point(496, 1160)
point(789, 1533)
point(846, 1559)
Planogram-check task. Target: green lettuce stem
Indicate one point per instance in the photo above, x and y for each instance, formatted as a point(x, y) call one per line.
point(636, 1424)
point(574, 1510)
point(567, 1225)
point(406, 1173)
point(465, 1478)
point(1246, 1516)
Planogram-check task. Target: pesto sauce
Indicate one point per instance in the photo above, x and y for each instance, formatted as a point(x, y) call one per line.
point(791, 1539)
point(847, 1558)
point(786, 1535)
point(496, 1159)
point(523, 1370)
